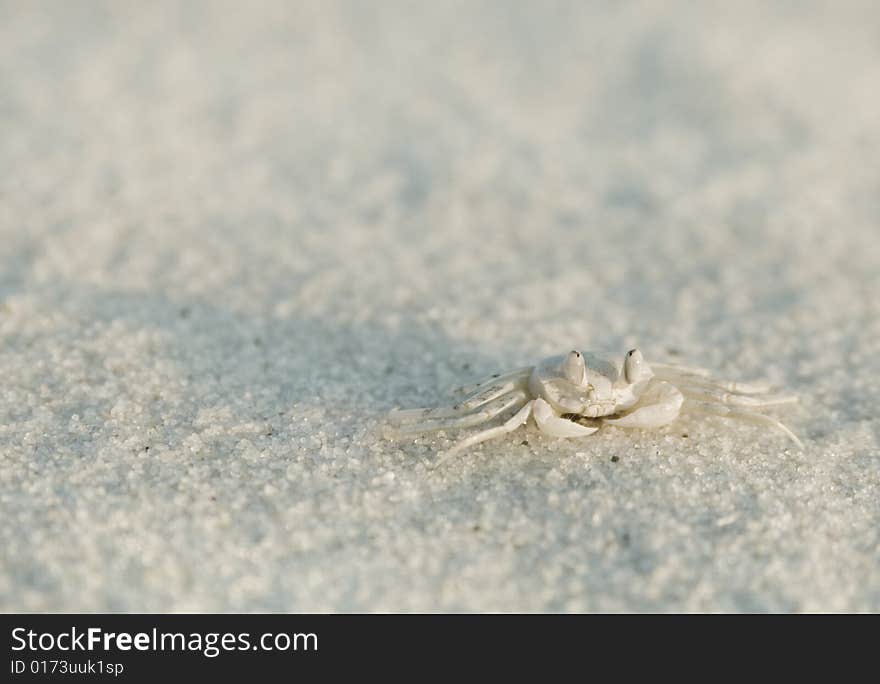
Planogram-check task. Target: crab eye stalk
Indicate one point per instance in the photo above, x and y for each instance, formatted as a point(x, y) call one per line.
point(574, 368)
point(632, 366)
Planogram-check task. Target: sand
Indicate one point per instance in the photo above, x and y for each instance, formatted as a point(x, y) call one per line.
point(234, 235)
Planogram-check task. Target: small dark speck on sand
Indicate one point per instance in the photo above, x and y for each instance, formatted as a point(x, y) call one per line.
point(615, 459)
point(685, 435)
point(525, 442)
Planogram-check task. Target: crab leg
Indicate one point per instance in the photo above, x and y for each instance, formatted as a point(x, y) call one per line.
point(734, 399)
point(487, 413)
point(489, 393)
point(707, 408)
point(518, 374)
point(480, 398)
point(659, 368)
point(518, 419)
point(679, 374)
point(401, 416)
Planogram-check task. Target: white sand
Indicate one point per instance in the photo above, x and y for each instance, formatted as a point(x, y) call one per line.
point(232, 237)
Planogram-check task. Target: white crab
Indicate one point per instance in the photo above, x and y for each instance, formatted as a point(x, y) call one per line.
point(571, 395)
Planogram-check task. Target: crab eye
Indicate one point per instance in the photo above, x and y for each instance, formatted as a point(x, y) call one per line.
point(574, 368)
point(632, 366)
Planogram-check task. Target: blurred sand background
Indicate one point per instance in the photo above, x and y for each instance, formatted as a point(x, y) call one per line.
point(234, 235)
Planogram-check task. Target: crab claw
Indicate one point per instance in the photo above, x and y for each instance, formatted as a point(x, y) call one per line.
point(658, 405)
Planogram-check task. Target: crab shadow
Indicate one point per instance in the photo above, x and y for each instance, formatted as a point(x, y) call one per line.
point(299, 358)
point(217, 358)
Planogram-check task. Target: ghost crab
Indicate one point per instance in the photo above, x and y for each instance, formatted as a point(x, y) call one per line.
point(573, 394)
